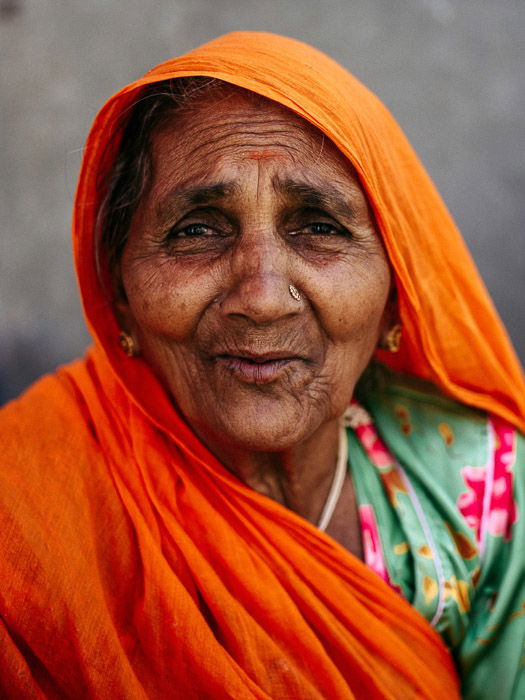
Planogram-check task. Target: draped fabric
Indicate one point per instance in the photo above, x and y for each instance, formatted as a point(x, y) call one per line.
point(133, 564)
point(139, 567)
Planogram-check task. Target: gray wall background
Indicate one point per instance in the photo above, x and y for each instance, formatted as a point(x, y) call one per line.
point(451, 71)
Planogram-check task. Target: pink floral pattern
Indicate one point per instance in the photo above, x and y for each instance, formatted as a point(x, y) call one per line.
point(357, 418)
point(373, 551)
point(424, 547)
point(374, 446)
point(488, 504)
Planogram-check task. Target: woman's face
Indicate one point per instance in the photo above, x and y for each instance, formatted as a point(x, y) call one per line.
point(247, 199)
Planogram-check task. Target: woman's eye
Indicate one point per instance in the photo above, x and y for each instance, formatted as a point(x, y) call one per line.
point(320, 228)
point(197, 237)
point(193, 231)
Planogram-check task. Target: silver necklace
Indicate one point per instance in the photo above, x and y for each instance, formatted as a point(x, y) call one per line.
point(337, 482)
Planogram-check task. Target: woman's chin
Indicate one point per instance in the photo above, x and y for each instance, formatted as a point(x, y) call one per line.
point(259, 433)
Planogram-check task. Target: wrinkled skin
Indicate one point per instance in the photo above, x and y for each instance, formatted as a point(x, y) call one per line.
point(246, 199)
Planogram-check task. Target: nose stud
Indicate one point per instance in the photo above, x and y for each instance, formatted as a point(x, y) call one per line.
point(293, 291)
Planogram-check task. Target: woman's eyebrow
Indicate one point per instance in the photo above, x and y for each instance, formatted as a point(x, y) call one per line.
point(326, 197)
point(182, 197)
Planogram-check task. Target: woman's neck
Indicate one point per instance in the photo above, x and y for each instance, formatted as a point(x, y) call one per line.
point(299, 477)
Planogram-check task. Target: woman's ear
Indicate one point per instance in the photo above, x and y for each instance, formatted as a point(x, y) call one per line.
point(390, 333)
point(119, 298)
point(124, 315)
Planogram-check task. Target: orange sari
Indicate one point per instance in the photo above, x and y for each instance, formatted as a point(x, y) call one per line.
point(133, 564)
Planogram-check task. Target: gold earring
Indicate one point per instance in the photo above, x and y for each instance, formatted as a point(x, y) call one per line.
point(393, 338)
point(128, 344)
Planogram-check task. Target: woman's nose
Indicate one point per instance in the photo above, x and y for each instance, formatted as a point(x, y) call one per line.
point(259, 281)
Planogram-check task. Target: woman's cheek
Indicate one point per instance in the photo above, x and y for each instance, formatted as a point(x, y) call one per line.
point(168, 309)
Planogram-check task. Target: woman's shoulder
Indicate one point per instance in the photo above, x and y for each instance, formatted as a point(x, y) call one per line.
point(64, 535)
point(47, 437)
point(413, 411)
point(415, 416)
point(379, 383)
point(466, 465)
point(464, 471)
point(50, 414)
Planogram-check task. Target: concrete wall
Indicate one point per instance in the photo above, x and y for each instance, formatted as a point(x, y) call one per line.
point(451, 71)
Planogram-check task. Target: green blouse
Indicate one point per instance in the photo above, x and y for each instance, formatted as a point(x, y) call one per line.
point(442, 514)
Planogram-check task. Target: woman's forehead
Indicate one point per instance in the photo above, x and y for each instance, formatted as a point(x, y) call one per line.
point(217, 133)
point(208, 120)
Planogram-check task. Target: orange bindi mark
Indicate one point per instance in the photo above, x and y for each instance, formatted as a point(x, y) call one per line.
point(266, 154)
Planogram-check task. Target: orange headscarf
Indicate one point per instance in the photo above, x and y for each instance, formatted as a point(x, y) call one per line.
point(451, 333)
point(168, 577)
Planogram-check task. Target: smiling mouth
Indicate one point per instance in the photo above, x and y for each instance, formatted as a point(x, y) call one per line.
point(256, 370)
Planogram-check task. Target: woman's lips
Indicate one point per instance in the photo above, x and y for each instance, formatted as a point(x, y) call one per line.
point(256, 370)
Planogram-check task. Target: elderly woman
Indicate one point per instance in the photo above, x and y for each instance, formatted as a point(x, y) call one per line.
point(290, 466)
